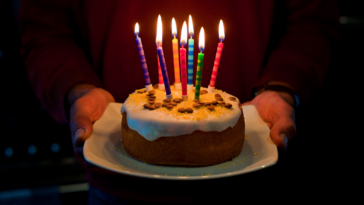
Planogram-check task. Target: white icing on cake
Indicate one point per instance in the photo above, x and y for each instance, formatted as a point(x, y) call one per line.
point(152, 124)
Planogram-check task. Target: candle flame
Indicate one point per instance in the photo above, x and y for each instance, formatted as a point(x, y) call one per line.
point(201, 42)
point(174, 28)
point(136, 30)
point(159, 31)
point(221, 31)
point(184, 34)
point(190, 27)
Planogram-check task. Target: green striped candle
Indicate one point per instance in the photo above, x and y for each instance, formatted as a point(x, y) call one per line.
point(199, 75)
point(200, 64)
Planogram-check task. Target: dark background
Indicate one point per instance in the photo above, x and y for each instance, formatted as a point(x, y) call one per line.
point(328, 125)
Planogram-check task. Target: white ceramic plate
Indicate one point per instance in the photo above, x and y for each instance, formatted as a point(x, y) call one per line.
point(104, 149)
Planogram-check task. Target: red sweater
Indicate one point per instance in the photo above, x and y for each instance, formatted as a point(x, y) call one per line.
point(66, 42)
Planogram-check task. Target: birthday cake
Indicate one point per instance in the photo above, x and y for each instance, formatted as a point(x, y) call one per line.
point(175, 132)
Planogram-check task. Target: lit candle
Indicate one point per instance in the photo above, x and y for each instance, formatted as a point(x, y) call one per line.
point(211, 87)
point(191, 43)
point(138, 40)
point(201, 45)
point(183, 61)
point(177, 81)
point(162, 60)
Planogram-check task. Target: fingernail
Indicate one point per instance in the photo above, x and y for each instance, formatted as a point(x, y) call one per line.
point(79, 133)
point(284, 140)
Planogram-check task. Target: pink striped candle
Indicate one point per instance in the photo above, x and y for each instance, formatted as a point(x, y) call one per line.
point(183, 61)
point(220, 46)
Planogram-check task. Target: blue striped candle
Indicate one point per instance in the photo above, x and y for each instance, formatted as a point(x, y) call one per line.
point(164, 73)
point(191, 43)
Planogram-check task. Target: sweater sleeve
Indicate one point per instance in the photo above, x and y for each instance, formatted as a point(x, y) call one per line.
point(304, 33)
point(52, 53)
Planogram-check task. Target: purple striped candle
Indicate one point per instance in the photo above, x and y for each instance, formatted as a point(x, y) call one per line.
point(162, 61)
point(143, 61)
point(164, 72)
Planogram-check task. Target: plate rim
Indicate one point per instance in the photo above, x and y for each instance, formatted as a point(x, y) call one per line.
point(90, 156)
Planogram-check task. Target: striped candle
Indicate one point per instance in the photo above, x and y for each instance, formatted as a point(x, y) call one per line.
point(164, 72)
point(162, 61)
point(160, 76)
point(216, 64)
point(191, 43)
point(142, 59)
point(183, 61)
point(177, 77)
point(200, 64)
point(220, 46)
point(176, 61)
point(183, 71)
point(199, 75)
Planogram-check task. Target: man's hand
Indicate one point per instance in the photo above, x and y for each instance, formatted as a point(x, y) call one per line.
point(275, 108)
point(87, 105)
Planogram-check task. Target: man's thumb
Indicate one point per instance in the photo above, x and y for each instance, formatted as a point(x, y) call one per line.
point(282, 131)
point(81, 128)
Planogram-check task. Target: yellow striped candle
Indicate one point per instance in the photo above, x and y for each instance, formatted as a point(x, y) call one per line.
point(177, 81)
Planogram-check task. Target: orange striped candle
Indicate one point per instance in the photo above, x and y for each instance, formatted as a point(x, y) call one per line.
point(177, 81)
